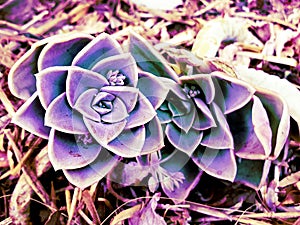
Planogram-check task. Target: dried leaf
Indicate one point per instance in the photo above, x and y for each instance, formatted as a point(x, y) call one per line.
point(210, 37)
point(54, 218)
point(289, 180)
point(148, 216)
point(157, 4)
point(87, 198)
point(126, 214)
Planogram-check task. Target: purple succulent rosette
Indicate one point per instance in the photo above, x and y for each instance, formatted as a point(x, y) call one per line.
point(194, 114)
point(82, 93)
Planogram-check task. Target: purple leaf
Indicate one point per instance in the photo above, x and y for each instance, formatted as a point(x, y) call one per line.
point(261, 125)
point(84, 106)
point(217, 163)
point(30, 116)
point(117, 114)
point(101, 47)
point(180, 163)
point(95, 171)
point(154, 140)
point(79, 80)
point(129, 143)
point(184, 141)
point(61, 50)
point(278, 115)
point(128, 95)
point(62, 117)
point(242, 124)
point(51, 83)
point(21, 79)
point(123, 63)
point(153, 88)
point(142, 113)
point(220, 137)
point(69, 151)
point(104, 133)
point(204, 119)
point(235, 93)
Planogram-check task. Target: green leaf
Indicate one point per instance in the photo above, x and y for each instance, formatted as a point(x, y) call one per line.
point(148, 59)
point(252, 173)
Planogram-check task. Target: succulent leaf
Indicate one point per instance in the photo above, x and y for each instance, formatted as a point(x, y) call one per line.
point(95, 171)
point(30, 116)
point(218, 163)
point(148, 59)
point(52, 77)
point(80, 80)
point(69, 151)
point(61, 50)
point(62, 117)
point(99, 48)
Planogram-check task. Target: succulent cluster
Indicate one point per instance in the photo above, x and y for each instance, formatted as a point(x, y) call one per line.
point(98, 102)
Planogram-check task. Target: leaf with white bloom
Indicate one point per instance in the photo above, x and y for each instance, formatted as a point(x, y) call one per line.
point(282, 87)
point(99, 48)
point(95, 171)
point(62, 117)
point(218, 163)
point(233, 92)
point(278, 115)
point(54, 77)
point(251, 130)
point(79, 80)
point(154, 139)
point(30, 116)
point(153, 88)
point(61, 50)
point(21, 79)
point(129, 143)
point(220, 136)
point(67, 151)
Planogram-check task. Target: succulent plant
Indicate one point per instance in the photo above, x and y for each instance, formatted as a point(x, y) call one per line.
point(231, 129)
point(97, 102)
point(82, 93)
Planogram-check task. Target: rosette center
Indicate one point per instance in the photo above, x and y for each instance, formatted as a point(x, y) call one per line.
point(192, 91)
point(103, 103)
point(115, 78)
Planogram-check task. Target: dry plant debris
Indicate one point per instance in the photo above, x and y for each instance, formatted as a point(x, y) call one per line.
point(261, 35)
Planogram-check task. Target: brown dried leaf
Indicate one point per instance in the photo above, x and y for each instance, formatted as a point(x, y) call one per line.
point(87, 198)
point(126, 214)
point(289, 180)
point(210, 37)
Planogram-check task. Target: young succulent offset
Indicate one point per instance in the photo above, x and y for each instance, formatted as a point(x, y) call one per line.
point(82, 94)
